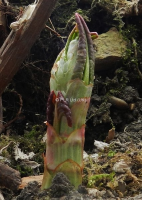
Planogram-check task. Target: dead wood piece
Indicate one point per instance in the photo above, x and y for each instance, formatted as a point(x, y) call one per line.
point(19, 42)
point(26, 180)
point(6, 2)
point(53, 31)
point(5, 147)
point(1, 196)
point(111, 135)
point(9, 178)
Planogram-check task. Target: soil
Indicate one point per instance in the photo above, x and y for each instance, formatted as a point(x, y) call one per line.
point(102, 178)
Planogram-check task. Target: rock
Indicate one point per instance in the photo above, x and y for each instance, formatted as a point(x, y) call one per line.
point(87, 157)
point(94, 192)
point(137, 197)
point(74, 195)
point(61, 186)
point(29, 192)
point(82, 189)
point(109, 194)
point(110, 47)
point(100, 145)
point(121, 167)
point(121, 186)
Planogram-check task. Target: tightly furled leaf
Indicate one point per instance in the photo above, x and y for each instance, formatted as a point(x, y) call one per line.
point(71, 84)
point(76, 60)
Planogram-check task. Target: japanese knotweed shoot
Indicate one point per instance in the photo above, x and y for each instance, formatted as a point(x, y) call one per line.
point(71, 84)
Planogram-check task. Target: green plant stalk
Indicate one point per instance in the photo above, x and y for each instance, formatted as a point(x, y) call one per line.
point(71, 84)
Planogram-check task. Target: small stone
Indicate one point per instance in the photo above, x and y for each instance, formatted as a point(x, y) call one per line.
point(85, 156)
point(121, 167)
point(110, 46)
point(30, 191)
point(64, 198)
point(94, 192)
point(121, 186)
point(82, 189)
point(109, 193)
point(100, 145)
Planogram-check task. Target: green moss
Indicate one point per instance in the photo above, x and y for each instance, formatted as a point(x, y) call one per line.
point(129, 32)
point(32, 142)
point(35, 132)
point(115, 86)
point(111, 153)
point(99, 179)
point(24, 170)
point(123, 77)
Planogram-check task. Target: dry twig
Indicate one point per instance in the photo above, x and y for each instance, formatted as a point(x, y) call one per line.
point(53, 31)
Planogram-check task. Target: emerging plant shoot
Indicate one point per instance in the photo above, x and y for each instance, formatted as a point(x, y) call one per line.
point(71, 84)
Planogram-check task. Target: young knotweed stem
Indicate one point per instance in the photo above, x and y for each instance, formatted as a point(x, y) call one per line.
point(71, 78)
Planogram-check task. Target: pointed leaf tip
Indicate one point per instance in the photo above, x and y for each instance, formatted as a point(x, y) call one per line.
point(94, 35)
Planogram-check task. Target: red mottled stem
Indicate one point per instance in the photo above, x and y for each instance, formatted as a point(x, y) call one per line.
point(63, 108)
point(50, 107)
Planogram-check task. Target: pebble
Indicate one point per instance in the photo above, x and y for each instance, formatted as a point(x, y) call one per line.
point(121, 167)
